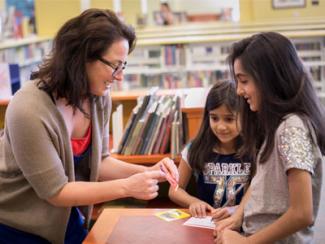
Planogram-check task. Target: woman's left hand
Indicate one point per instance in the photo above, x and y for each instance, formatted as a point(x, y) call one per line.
point(229, 237)
point(169, 165)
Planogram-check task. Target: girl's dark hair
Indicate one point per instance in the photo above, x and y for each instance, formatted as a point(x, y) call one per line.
point(284, 85)
point(222, 93)
point(80, 40)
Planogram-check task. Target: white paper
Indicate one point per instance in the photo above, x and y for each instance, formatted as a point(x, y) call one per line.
point(200, 222)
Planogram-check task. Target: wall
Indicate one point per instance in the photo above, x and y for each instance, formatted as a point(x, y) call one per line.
point(2, 4)
point(206, 6)
point(51, 15)
point(105, 4)
point(130, 10)
point(246, 10)
point(263, 11)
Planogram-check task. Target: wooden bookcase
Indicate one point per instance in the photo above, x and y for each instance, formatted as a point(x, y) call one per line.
point(195, 55)
point(144, 159)
point(199, 50)
point(128, 100)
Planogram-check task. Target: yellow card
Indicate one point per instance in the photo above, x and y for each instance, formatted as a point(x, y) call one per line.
point(172, 214)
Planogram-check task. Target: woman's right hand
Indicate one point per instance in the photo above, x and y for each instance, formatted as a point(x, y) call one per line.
point(144, 185)
point(199, 209)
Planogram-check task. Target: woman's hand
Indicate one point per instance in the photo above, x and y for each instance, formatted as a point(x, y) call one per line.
point(230, 237)
point(222, 213)
point(199, 209)
point(144, 185)
point(168, 164)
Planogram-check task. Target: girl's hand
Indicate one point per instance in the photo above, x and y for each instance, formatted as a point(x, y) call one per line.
point(230, 237)
point(169, 165)
point(144, 185)
point(199, 209)
point(222, 213)
point(233, 223)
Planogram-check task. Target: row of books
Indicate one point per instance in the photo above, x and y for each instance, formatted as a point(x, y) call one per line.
point(22, 54)
point(173, 55)
point(174, 80)
point(154, 127)
point(157, 57)
point(308, 46)
point(9, 80)
point(213, 49)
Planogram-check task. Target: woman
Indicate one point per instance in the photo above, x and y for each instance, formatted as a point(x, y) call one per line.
point(56, 136)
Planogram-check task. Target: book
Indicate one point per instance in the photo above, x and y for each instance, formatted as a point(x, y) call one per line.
point(142, 108)
point(163, 103)
point(161, 131)
point(128, 127)
point(117, 126)
point(166, 137)
point(144, 123)
point(147, 128)
point(9, 80)
point(172, 214)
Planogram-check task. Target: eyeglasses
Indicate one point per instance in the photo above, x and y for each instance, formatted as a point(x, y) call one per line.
point(116, 68)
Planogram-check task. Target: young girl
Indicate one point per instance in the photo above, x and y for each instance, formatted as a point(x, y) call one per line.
point(283, 124)
point(221, 176)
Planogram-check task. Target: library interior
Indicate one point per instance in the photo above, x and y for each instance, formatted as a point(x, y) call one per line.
point(181, 51)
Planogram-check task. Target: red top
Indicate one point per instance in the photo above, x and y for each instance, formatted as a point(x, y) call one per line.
point(80, 145)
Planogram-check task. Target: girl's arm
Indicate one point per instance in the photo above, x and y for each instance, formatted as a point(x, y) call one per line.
point(119, 180)
point(181, 197)
point(298, 216)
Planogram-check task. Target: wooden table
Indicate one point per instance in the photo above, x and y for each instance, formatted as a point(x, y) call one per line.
point(142, 226)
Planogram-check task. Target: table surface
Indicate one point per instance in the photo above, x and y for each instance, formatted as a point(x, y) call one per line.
point(105, 224)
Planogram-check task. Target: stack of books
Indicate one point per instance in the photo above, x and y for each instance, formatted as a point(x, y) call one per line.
point(154, 127)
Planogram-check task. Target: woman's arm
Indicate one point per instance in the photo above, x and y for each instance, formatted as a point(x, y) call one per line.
point(112, 169)
point(298, 216)
point(142, 186)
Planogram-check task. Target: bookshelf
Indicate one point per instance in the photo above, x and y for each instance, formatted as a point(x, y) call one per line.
point(144, 159)
point(26, 52)
point(195, 56)
point(190, 56)
point(192, 117)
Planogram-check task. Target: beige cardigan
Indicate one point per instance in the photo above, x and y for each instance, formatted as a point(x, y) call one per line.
point(36, 161)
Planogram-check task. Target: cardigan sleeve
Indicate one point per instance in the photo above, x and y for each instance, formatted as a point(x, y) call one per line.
point(36, 146)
